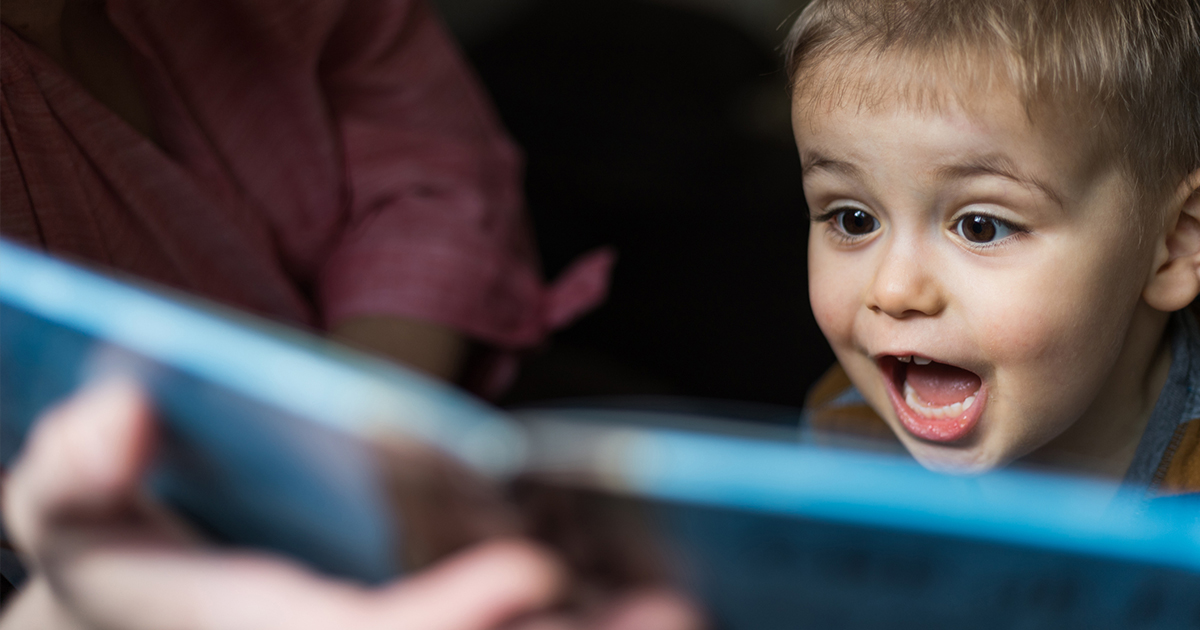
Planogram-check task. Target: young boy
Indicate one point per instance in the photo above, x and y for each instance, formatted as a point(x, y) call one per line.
point(1005, 202)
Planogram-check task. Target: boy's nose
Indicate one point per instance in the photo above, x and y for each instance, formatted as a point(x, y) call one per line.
point(905, 285)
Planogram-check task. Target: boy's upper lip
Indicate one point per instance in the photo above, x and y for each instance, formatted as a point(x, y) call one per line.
point(970, 366)
point(905, 353)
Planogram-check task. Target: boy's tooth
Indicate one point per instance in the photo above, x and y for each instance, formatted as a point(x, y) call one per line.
point(948, 411)
point(921, 361)
point(905, 359)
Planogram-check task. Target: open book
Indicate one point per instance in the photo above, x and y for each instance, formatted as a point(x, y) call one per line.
point(267, 436)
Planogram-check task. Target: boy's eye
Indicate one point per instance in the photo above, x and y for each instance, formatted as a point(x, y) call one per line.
point(977, 228)
point(856, 222)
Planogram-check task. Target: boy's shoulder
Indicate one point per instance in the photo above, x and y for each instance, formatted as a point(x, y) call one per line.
point(835, 412)
point(1179, 471)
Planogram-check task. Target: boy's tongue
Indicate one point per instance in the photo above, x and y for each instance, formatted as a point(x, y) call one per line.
point(940, 384)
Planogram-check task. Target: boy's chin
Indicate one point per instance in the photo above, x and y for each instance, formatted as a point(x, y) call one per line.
point(953, 459)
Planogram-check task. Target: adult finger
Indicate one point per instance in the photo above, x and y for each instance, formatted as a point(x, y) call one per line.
point(36, 607)
point(83, 459)
point(480, 588)
point(659, 609)
point(143, 587)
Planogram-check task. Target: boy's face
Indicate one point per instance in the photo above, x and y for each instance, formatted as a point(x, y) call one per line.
point(977, 275)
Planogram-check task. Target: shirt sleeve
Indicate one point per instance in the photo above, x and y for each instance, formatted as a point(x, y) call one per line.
point(435, 228)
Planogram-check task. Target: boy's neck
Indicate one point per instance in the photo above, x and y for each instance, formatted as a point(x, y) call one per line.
point(1105, 439)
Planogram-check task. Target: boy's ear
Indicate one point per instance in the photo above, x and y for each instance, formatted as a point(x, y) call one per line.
point(1175, 279)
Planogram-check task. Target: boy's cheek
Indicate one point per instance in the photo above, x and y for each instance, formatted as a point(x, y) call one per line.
point(1048, 324)
point(834, 320)
point(833, 297)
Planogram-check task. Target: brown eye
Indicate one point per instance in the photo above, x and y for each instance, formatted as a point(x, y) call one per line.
point(856, 222)
point(978, 228)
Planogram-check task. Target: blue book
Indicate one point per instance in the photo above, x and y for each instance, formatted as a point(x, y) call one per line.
point(266, 443)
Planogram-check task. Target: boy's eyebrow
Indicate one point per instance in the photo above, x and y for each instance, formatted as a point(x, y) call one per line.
point(812, 161)
point(987, 165)
point(997, 166)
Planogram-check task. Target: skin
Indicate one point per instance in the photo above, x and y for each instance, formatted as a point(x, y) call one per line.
point(1061, 315)
point(434, 349)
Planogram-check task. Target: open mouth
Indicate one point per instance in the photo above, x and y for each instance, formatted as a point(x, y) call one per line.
point(934, 401)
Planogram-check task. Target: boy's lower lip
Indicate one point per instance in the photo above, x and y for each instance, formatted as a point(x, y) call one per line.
point(945, 430)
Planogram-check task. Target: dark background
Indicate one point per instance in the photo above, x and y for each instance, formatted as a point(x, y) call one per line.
point(660, 128)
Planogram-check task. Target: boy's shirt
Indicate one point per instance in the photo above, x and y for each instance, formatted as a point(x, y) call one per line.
point(1167, 460)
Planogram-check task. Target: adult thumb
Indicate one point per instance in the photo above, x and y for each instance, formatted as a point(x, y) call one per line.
point(481, 587)
point(83, 459)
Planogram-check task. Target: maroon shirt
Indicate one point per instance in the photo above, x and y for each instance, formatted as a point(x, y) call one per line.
point(316, 161)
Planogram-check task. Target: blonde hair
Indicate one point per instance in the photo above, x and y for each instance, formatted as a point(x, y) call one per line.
point(1129, 68)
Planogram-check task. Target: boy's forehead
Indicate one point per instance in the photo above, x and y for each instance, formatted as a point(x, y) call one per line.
point(871, 83)
point(980, 102)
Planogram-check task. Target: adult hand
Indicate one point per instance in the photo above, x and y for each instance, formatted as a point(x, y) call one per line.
point(105, 556)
